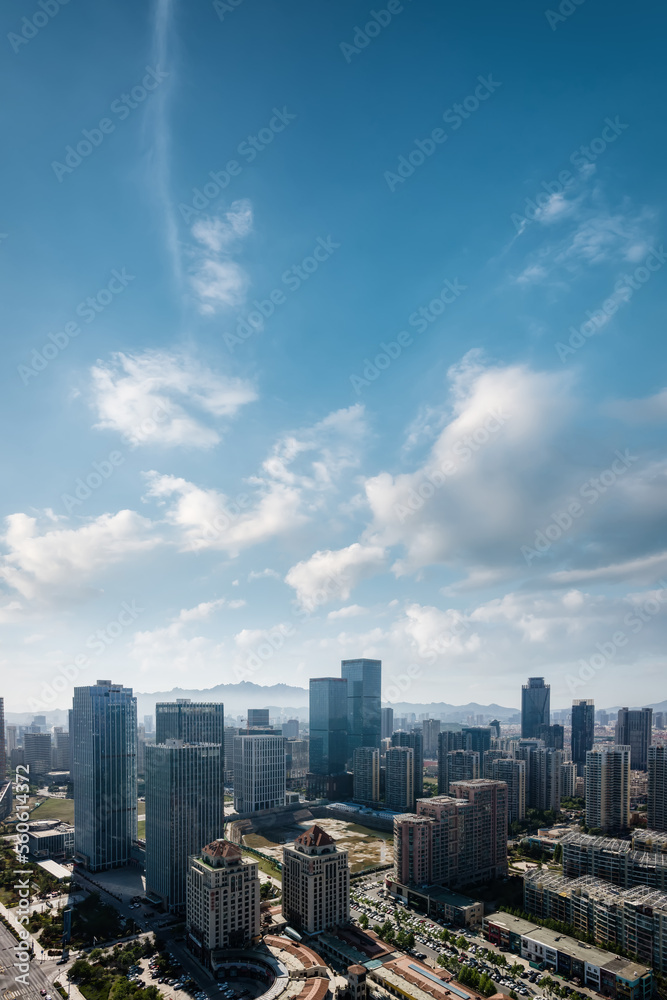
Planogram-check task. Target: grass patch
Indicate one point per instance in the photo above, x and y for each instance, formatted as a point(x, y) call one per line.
point(62, 809)
point(265, 866)
point(141, 829)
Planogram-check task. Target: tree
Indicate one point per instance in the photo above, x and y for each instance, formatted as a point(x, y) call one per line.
point(461, 942)
point(363, 921)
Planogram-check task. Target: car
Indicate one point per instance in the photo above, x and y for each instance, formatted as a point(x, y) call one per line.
point(43, 992)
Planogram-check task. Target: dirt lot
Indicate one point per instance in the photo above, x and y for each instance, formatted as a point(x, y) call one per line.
point(366, 847)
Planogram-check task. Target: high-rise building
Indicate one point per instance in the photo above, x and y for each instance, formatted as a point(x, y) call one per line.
point(148, 724)
point(328, 720)
point(494, 726)
point(11, 735)
point(222, 900)
point(535, 706)
point(60, 750)
point(104, 772)
point(544, 779)
point(477, 738)
point(552, 736)
point(184, 812)
point(316, 883)
point(454, 839)
point(414, 740)
point(657, 788)
point(634, 729)
point(513, 773)
point(37, 753)
point(190, 721)
point(568, 779)
point(457, 765)
point(659, 720)
point(290, 729)
point(3, 742)
point(296, 761)
point(366, 768)
point(259, 773)
point(430, 733)
point(387, 723)
point(608, 789)
point(258, 718)
point(583, 731)
point(400, 778)
point(228, 753)
point(364, 707)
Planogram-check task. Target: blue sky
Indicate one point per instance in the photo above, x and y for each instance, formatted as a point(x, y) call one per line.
point(393, 385)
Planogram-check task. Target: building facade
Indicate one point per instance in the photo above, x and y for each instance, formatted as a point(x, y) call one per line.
point(104, 772)
point(366, 770)
point(387, 723)
point(657, 788)
point(457, 765)
point(364, 703)
point(535, 706)
point(328, 714)
point(608, 789)
point(259, 773)
point(634, 729)
point(316, 883)
point(190, 721)
point(414, 740)
point(583, 731)
point(513, 774)
point(223, 904)
point(184, 812)
point(400, 778)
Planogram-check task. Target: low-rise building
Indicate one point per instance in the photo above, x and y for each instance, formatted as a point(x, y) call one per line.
point(50, 839)
point(440, 903)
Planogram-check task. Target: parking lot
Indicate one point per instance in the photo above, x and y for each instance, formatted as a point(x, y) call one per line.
point(176, 980)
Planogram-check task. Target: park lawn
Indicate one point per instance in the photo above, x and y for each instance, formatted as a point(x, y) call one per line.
point(265, 866)
point(62, 809)
point(141, 829)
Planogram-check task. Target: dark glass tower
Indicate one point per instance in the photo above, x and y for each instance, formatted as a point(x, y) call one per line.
point(364, 703)
point(583, 732)
point(328, 749)
point(634, 729)
point(535, 706)
point(190, 721)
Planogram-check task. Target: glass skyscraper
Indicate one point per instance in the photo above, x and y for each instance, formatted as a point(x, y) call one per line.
point(192, 722)
point(535, 706)
point(104, 772)
point(184, 813)
point(583, 732)
point(364, 703)
point(328, 748)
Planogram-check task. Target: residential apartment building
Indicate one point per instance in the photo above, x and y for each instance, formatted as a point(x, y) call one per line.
point(400, 779)
point(639, 861)
point(457, 765)
point(316, 883)
point(414, 740)
point(608, 789)
point(513, 774)
point(366, 770)
point(657, 787)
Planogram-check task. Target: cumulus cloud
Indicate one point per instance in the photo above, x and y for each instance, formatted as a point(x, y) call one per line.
point(159, 398)
point(331, 575)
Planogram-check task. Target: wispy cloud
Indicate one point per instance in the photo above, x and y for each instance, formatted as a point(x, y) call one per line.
point(160, 178)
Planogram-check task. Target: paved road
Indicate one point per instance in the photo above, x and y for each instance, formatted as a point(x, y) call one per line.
point(40, 974)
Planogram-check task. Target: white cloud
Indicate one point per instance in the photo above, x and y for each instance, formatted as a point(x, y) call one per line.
point(218, 280)
point(351, 611)
point(170, 648)
point(148, 398)
point(56, 562)
point(652, 409)
point(331, 575)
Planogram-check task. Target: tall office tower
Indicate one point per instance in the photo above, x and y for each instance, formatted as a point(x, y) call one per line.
point(259, 773)
point(657, 788)
point(583, 731)
point(399, 778)
point(104, 772)
point(494, 726)
point(3, 741)
point(222, 901)
point(457, 765)
point(414, 740)
point(184, 812)
point(387, 723)
point(148, 724)
point(364, 710)
point(40, 722)
point(535, 706)
point(60, 753)
point(552, 736)
point(190, 721)
point(659, 720)
point(12, 740)
point(258, 717)
point(366, 768)
point(430, 733)
point(513, 773)
point(634, 729)
point(544, 779)
point(477, 738)
point(228, 753)
point(454, 839)
point(568, 779)
point(608, 789)
point(602, 717)
point(316, 883)
point(328, 715)
point(37, 753)
point(290, 729)
point(296, 760)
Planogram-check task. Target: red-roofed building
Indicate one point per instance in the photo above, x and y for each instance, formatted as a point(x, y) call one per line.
point(316, 883)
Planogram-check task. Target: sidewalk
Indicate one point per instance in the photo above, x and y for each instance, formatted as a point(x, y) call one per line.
point(40, 953)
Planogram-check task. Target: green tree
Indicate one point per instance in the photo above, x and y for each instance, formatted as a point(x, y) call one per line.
point(363, 921)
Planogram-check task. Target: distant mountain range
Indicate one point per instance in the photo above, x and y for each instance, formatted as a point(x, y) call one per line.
point(290, 702)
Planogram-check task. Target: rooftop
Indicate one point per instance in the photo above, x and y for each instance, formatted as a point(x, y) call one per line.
point(222, 849)
point(315, 836)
